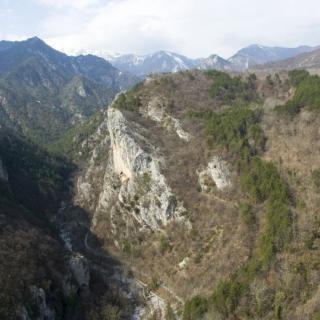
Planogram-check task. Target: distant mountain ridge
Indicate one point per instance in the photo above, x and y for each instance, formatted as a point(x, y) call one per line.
point(257, 54)
point(308, 60)
point(43, 91)
point(166, 61)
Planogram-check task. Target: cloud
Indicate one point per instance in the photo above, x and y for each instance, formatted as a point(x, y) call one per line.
point(191, 27)
point(75, 4)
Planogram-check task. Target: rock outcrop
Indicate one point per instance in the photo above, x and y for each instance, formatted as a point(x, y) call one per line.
point(156, 110)
point(142, 185)
point(38, 308)
point(80, 269)
point(216, 174)
point(128, 182)
point(3, 171)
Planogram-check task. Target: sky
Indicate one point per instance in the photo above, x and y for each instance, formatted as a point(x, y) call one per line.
point(196, 28)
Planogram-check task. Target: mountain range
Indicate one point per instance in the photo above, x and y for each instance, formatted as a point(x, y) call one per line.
point(43, 91)
point(165, 61)
point(187, 196)
point(308, 60)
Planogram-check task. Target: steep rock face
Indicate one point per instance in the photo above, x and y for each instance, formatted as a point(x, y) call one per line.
point(3, 171)
point(39, 297)
point(140, 175)
point(128, 183)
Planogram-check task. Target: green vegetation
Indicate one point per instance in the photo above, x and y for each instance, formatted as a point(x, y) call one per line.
point(307, 93)
point(167, 81)
point(246, 213)
point(154, 284)
point(164, 243)
point(129, 101)
point(277, 231)
point(71, 142)
point(237, 130)
point(36, 177)
point(126, 247)
point(195, 308)
point(229, 89)
point(231, 128)
point(262, 182)
point(315, 176)
point(227, 294)
point(297, 76)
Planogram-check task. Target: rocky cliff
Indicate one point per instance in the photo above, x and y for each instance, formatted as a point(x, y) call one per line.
point(184, 185)
point(132, 185)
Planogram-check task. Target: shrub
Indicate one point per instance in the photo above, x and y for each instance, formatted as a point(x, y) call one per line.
point(227, 295)
point(126, 247)
point(297, 76)
point(164, 244)
point(195, 308)
point(154, 284)
point(307, 93)
point(229, 89)
point(246, 213)
point(277, 232)
point(231, 128)
point(315, 176)
point(262, 181)
point(129, 101)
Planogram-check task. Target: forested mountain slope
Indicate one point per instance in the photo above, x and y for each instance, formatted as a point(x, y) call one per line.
point(206, 186)
point(43, 92)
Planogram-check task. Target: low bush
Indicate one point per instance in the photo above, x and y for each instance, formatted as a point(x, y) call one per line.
point(129, 101)
point(232, 129)
point(195, 308)
point(315, 176)
point(229, 89)
point(262, 181)
point(227, 294)
point(307, 93)
point(246, 213)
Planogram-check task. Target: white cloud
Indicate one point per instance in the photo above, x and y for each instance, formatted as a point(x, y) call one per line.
point(192, 27)
point(76, 4)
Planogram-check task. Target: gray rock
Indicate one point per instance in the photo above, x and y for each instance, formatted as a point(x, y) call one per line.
point(80, 269)
point(3, 171)
point(218, 172)
point(45, 312)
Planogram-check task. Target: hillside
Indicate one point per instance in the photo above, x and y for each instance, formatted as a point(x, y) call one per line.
point(44, 92)
point(310, 60)
point(205, 186)
point(46, 271)
point(193, 196)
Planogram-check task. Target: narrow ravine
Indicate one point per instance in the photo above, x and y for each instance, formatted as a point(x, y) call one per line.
point(110, 270)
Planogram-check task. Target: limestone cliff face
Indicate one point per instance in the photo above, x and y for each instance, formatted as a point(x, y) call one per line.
point(142, 183)
point(128, 183)
point(217, 173)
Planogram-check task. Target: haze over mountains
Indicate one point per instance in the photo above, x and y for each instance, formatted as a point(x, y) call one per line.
point(308, 60)
point(164, 61)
